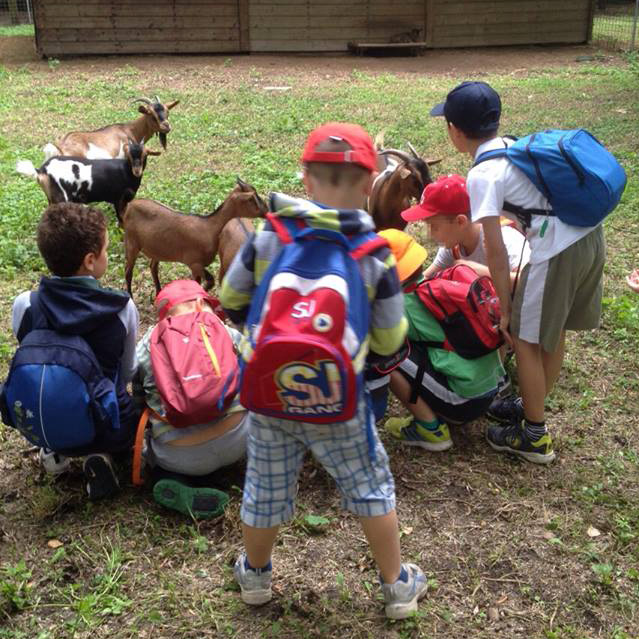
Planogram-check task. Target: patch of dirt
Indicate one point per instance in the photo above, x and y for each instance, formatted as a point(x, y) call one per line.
point(474, 61)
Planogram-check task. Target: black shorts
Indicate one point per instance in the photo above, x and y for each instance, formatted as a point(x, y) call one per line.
point(436, 392)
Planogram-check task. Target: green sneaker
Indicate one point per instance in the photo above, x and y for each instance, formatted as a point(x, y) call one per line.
point(201, 503)
point(514, 439)
point(409, 432)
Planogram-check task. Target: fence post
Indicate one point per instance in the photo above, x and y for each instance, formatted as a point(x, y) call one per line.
point(31, 15)
point(634, 26)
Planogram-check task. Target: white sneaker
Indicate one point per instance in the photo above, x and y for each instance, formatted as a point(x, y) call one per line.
point(52, 462)
point(401, 597)
point(255, 584)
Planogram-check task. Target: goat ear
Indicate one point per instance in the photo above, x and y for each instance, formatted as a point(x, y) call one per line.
point(243, 185)
point(430, 161)
point(143, 109)
point(170, 106)
point(404, 172)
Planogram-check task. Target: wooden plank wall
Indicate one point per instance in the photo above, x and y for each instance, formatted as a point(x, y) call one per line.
point(74, 27)
point(328, 25)
point(469, 23)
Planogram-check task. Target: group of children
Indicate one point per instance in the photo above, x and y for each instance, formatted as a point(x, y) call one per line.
point(553, 269)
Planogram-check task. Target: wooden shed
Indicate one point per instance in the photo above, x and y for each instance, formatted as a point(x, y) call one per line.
point(83, 27)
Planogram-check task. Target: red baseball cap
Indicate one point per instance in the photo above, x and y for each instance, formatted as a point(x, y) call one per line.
point(446, 196)
point(362, 151)
point(179, 291)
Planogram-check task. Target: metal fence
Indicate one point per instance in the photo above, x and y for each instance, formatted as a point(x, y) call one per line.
point(14, 12)
point(616, 24)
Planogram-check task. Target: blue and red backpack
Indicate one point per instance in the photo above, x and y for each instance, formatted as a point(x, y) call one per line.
point(308, 326)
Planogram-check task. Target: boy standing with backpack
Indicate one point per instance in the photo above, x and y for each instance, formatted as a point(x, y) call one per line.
point(560, 289)
point(316, 288)
point(66, 390)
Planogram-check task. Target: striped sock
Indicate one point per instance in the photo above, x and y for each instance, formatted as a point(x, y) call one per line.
point(534, 430)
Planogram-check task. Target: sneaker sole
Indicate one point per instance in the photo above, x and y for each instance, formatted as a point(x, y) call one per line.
point(535, 458)
point(404, 610)
point(101, 479)
point(434, 448)
point(177, 496)
point(257, 597)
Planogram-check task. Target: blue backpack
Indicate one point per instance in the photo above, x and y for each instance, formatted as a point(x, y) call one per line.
point(56, 394)
point(308, 326)
point(580, 178)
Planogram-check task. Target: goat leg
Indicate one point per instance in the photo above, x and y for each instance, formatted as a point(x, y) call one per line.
point(155, 274)
point(131, 254)
point(210, 280)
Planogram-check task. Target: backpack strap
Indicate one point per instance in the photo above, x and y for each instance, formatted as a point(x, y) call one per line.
point(524, 215)
point(368, 246)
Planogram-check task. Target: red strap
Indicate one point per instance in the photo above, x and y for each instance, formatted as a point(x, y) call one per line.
point(280, 228)
point(136, 470)
point(368, 247)
point(456, 252)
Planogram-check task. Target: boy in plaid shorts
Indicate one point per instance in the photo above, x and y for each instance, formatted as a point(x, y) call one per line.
point(339, 162)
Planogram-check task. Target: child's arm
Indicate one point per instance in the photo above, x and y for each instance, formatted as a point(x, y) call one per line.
point(239, 283)
point(497, 258)
point(388, 323)
point(131, 320)
point(443, 259)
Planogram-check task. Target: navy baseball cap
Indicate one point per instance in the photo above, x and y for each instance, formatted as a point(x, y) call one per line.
point(473, 107)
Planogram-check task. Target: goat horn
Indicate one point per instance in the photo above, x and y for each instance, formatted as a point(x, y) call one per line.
point(157, 99)
point(402, 155)
point(145, 100)
point(242, 183)
point(412, 150)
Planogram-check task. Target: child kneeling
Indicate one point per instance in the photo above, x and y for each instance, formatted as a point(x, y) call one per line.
point(183, 458)
point(453, 389)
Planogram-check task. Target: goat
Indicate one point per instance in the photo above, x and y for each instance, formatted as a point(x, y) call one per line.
point(165, 235)
point(108, 142)
point(396, 186)
point(75, 179)
point(232, 237)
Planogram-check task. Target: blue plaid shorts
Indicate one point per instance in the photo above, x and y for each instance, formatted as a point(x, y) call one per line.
point(276, 448)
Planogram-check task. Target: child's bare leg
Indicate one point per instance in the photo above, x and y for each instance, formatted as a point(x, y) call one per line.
point(382, 533)
point(532, 378)
point(402, 390)
point(553, 362)
point(258, 543)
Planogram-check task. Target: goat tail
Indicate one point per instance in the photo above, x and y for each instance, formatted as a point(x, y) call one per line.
point(26, 168)
point(50, 150)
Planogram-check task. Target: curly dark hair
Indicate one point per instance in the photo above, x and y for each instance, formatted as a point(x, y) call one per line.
point(67, 233)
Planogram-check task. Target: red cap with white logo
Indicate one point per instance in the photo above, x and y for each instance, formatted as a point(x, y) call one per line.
point(446, 196)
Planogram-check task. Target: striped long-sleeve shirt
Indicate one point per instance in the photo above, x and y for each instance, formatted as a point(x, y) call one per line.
point(387, 325)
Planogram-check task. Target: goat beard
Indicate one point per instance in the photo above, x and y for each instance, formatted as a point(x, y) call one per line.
point(162, 137)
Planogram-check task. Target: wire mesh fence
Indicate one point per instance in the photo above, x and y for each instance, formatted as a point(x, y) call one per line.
point(13, 12)
point(616, 24)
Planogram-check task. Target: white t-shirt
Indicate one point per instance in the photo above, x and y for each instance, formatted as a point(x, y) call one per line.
point(494, 182)
point(514, 241)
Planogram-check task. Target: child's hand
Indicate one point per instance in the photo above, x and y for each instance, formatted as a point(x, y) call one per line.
point(633, 280)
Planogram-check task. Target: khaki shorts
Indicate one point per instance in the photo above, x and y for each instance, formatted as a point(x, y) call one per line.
point(562, 293)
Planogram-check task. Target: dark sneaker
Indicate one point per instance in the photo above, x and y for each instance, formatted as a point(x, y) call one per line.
point(201, 503)
point(255, 584)
point(514, 439)
point(401, 598)
point(508, 410)
point(101, 478)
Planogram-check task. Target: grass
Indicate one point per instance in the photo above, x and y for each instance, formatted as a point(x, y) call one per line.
point(615, 30)
point(17, 30)
point(509, 549)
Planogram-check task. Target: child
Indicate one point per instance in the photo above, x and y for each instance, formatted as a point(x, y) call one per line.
point(453, 390)
point(560, 289)
point(339, 163)
point(445, 207)
point(181, 458)
point(73, 241)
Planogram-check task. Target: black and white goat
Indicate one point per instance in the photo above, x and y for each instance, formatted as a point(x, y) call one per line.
point(75, 179)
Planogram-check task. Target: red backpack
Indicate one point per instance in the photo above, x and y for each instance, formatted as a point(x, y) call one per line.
point(466, 307)
point(195, 367)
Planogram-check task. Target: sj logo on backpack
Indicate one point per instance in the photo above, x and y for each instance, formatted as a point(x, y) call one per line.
point(307, 389)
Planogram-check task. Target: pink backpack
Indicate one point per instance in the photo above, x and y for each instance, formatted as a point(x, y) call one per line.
point(195, 367)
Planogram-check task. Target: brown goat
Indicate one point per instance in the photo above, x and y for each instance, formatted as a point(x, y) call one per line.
point(165, 235)
point(109, 141)
point(397, 186)
point(232, 237)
